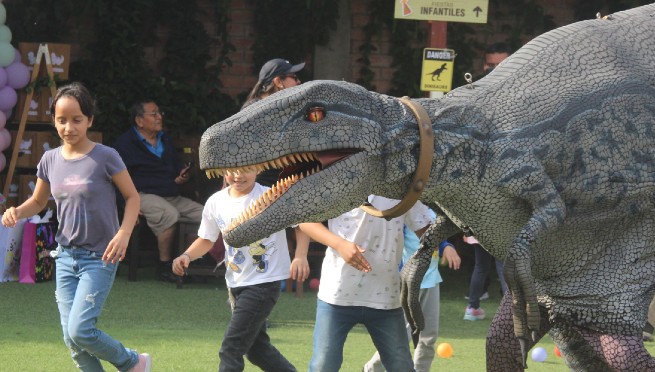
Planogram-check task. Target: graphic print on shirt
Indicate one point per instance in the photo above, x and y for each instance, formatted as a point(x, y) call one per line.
point(74, 187)
point(258, 252)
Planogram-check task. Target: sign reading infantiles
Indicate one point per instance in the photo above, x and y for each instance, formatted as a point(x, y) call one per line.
point(470, 11)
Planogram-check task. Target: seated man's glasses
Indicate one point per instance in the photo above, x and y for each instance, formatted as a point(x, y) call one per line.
point(155, 113)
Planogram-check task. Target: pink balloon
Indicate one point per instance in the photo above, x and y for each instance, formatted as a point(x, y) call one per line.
point(5, 139)
point(3, 119)
point(3, 162)
point(8, 98)
point(18, 75)
point(3, 77)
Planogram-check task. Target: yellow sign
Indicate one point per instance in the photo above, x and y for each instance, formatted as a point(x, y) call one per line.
point(470, 11)
point(437, 71)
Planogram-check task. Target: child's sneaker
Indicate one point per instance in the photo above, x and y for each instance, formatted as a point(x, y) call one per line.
point(485, 296)
point(473, 314)
point(144, 363)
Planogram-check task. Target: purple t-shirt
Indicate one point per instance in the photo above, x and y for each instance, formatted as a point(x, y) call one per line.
point(85, 196)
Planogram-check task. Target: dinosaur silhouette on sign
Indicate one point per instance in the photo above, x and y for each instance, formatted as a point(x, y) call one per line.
point(437, 73)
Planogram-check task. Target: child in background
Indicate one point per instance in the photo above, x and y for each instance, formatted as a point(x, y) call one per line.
point(253, 276)
point(81, 175)
point(429, 297)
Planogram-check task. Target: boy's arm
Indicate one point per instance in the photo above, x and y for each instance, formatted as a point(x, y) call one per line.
point(349, 251)
point(196, 250)
point(299, 265)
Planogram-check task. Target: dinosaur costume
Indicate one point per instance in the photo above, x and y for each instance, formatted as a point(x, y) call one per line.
point(548, 161)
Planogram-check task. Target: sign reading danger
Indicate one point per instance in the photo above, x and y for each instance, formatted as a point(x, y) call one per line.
point(437, 71)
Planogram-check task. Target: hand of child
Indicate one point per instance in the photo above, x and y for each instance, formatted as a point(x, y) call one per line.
point(451, 257)
point(353, 255)
point(10, 217)
point(117, 247)
point(180, 265)
point(299, 269)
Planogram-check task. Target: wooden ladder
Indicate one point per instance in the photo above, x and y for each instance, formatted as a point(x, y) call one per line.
point(43, 52)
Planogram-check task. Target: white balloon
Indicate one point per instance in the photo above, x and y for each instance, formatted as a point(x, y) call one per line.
point(7, 53)
point(3, 14)
point(5, 33)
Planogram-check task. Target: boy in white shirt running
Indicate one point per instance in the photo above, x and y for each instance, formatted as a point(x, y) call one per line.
point(352, 291)
point(254, 274)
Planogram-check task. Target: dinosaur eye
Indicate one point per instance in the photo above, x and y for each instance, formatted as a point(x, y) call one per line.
point(316, 114)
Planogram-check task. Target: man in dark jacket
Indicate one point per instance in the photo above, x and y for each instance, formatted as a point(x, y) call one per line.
point(156, 170)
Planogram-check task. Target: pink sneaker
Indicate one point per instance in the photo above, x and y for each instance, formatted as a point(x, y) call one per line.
point(144, 363)
point(473, 314)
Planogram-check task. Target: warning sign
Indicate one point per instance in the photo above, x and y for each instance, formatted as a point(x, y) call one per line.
point(437, 71)
point(470, 11)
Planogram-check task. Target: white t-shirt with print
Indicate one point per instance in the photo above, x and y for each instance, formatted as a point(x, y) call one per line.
point(263, 261)
point(343, 285)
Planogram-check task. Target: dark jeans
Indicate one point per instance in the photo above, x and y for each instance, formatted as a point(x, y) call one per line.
point(481, 271)
point(246, 333)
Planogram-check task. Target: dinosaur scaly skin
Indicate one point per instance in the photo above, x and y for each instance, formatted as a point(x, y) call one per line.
point(548, 161)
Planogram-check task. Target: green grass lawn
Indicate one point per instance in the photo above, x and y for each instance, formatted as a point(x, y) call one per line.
point(182, 328)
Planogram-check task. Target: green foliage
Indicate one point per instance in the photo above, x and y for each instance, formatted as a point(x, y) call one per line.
point(290, 29)
point(115, 36)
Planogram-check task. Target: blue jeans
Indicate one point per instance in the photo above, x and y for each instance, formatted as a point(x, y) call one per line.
point(246, 332)
point(83, 283)
point(386, 327)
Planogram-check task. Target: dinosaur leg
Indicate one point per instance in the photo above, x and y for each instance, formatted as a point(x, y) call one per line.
point(548, 213)
point(503, 348)
point(587, 350)
point(520, 284)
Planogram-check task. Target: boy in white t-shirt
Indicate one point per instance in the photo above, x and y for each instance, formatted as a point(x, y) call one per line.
point(352, 291)
point(254, 274)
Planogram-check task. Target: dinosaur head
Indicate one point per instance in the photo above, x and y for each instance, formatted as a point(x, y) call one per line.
point(333, 142)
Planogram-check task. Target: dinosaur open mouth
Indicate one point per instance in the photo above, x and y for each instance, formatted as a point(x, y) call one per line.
point(294, 168)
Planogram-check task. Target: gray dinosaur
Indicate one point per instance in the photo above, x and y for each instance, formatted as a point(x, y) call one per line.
point(548, 161)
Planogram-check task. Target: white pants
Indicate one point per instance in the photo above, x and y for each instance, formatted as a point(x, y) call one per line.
point(425, 349)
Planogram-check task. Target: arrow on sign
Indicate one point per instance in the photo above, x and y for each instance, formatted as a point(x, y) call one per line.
point(477, 11)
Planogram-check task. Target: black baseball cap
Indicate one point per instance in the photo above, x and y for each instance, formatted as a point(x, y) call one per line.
point(277, 67)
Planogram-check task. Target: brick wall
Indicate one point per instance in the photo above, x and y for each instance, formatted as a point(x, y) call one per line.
point(241, 76)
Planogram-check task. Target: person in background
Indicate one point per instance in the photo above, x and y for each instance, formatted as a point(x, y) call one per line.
point(429, 298)
point(276, 75)
point(478, 287)
point(494, 54)
point(352, 291)
point(253, 276)
point(81, 175)
point(157, 171)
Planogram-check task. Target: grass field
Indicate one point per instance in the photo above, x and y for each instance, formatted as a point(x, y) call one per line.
point(182, 328)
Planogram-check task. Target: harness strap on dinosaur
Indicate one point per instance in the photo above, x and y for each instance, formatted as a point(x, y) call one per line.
point(426, 151)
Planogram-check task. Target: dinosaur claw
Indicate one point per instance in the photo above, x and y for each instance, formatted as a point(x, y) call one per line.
point(524, 351)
